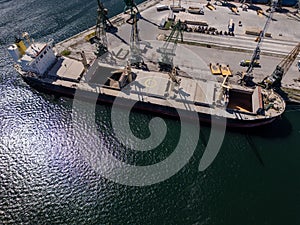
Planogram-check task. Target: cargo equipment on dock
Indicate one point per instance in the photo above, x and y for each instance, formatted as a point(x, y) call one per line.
point(274, 80)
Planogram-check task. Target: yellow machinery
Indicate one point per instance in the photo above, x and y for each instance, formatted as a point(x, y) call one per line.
point(90, 36)
point(234, 10)
point(21, 46)
point(215, 68)
point(224, 85)
point(210, 6)
point(260, 12)
point(225, 70)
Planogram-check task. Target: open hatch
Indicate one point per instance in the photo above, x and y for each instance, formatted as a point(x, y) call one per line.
point(246, 101)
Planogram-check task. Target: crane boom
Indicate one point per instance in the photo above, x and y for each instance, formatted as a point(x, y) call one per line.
point(167, 52)
point(256, 53)
point(136, 56)
point(102, 21)
point(281, 69)
point(247, 76)
point(288, 60)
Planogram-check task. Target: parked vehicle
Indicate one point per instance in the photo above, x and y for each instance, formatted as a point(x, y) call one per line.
point(247, 63)
point(162, 7)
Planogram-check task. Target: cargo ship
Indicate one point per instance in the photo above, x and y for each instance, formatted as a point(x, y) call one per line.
point(151, 91)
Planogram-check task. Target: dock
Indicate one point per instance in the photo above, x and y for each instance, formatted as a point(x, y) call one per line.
point(209, 46)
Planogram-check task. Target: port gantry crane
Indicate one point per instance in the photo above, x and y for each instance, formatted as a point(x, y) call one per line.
point(274, 80)
point(130, 4)
point(103, 24)
point(248, 76)
point(136, 58)
point(167, 51)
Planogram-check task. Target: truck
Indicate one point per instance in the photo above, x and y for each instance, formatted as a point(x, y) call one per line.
point(162, 7)
point(247, 63)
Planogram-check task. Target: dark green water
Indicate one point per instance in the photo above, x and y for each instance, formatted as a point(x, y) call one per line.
point(45, 178)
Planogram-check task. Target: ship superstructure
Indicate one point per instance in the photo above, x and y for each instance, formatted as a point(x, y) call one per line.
point(31, 56)
point(39, 60)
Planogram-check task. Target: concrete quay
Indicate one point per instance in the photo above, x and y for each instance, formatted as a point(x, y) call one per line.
point(228, 50)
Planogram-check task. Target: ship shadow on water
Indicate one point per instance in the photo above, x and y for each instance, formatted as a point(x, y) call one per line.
point(279, 128)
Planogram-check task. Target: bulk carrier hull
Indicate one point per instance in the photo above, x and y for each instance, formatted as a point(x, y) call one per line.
point(144, 107)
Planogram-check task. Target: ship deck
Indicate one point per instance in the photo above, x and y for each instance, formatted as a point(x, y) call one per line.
point(68, 69)
point(157, 88)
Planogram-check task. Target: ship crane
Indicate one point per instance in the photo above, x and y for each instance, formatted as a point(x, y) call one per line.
point(103, 23)
point(248, 76)
point(168, 51)
point(274, 80)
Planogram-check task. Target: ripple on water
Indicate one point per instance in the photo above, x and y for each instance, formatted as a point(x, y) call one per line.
point(44, 178)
